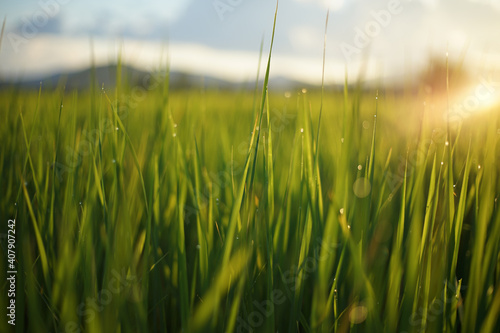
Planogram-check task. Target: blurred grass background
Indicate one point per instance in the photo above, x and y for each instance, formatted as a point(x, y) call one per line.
point(205, 210)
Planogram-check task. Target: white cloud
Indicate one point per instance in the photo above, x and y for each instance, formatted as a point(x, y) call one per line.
point(333, 5)
point(306, 37)
point(48, 54)
point(427, 25)
point(432, 4)
point(495, 4)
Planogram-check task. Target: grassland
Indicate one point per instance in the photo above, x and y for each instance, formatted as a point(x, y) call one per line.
point(147, 209)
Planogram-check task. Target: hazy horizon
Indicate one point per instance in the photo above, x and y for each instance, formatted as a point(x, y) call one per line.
point(385, 39)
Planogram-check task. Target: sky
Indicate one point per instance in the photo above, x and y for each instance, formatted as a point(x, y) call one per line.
point(382, 38)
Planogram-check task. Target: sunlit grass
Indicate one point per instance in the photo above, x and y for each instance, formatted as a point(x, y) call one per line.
point(212, 211)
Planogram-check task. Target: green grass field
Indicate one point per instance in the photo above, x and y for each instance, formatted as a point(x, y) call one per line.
point(149, 209)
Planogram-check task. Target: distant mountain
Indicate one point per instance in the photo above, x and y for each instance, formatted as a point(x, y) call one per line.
point(106, 75)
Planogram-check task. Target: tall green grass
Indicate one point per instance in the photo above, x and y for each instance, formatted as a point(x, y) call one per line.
point(209, 211)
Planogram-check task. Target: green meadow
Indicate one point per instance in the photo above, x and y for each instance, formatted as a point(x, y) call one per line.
point(151, 209)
